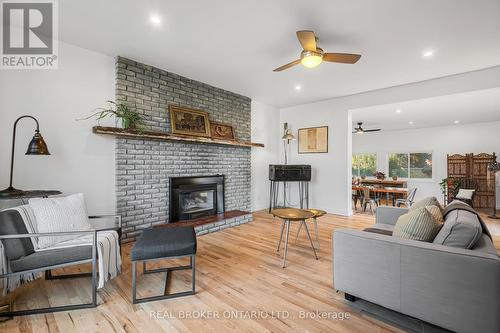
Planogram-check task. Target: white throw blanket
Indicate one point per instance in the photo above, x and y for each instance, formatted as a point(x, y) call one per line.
point(8, 285)
point(108, 253)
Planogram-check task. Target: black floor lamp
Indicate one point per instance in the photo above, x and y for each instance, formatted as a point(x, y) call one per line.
point(494, 167)
point(37, 146)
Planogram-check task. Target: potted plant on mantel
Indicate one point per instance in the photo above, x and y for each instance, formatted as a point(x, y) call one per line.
point(130, 119)
point(379, 175)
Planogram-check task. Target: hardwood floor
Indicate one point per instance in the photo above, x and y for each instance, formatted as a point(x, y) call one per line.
point(239, 275)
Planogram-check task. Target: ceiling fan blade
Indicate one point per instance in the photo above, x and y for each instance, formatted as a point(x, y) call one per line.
point(307, 39)
point(293, 63)
point(373, 130)
point(344, 58)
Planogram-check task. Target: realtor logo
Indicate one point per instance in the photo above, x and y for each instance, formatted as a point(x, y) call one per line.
point(29, 34)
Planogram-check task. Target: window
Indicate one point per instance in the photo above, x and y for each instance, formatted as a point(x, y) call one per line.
point(364, 164)
point(411, 165)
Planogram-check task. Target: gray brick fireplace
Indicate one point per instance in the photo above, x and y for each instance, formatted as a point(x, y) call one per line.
point(144, 167)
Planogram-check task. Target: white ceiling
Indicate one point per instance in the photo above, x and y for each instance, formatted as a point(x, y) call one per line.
point(235, 44)
point(471, 107)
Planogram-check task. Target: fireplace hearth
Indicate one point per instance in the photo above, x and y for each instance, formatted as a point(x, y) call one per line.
point(195, 197)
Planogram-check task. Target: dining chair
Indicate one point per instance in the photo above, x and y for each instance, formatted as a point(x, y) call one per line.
point(408, 201)
point(355, 198)
point(369, 198)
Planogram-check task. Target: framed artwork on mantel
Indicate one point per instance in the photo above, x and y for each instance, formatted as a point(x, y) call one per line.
point(188, 121)
point(313, 140)
point(221, 131)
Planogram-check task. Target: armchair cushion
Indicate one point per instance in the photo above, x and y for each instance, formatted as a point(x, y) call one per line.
point(11, 223)
point(52, 257)
point(59, 215)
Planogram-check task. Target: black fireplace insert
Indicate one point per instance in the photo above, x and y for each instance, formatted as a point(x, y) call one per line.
point(193, 197)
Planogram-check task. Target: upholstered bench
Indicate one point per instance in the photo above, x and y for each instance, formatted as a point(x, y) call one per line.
point(159, 244)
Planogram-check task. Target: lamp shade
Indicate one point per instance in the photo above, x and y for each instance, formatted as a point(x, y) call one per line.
point(288, 135)
point(37, 146)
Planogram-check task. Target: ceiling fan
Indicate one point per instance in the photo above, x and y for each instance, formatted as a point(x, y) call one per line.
point(361, 130)
point(312, 56)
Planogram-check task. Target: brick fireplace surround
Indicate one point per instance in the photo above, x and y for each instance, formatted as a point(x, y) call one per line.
point(143, 167)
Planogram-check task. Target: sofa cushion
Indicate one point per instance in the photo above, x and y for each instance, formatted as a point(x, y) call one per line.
point(429, 201)
point(418, 224)
point(59, 215)
point(11, 223)
point(461, 229)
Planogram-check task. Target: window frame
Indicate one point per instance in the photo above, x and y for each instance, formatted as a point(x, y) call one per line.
point(431, 152)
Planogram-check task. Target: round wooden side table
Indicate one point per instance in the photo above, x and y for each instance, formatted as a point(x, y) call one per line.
point(317, 213)
point(288, 215)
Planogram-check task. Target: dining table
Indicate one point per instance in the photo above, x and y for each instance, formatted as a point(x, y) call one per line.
point(403, 191)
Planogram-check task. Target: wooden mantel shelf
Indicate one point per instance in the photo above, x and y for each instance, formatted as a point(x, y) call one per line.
point(164, 136)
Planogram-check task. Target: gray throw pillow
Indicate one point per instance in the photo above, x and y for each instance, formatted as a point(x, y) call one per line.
point(461, 229)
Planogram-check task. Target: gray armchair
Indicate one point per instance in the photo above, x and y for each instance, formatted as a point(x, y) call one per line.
point(23, 259)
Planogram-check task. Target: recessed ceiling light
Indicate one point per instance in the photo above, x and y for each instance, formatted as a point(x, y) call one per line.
point(428, 54)
point(298, 87)
point(456, 122)
point(411, 123)
point(155, 19)
point(398, 111)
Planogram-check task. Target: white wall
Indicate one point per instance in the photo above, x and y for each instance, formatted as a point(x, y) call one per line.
point(457, 139)
point(265, 129)
point(331, 184)
point(80, 161)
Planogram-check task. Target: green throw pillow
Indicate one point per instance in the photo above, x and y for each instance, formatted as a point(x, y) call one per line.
point(429, 201)
point(418, 224)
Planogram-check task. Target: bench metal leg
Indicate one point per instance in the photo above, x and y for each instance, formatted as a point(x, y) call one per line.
point(165, 295)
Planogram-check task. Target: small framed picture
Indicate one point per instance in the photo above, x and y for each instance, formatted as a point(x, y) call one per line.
point(188, 121)
point(313, 140)
point(221, 131)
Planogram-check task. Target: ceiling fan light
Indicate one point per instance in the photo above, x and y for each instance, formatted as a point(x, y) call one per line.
point(312, 60)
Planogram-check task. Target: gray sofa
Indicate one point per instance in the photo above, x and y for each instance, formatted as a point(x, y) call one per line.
point(457, 289)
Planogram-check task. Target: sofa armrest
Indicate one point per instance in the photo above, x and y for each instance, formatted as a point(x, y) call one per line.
point(389, 214)
point(453, 288)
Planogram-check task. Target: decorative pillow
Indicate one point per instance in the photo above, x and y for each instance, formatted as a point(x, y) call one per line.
point(418, 224)
point(429, 201)
point(59, 215)
point(461, 229)
point(465, 194)
point(436, 213)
